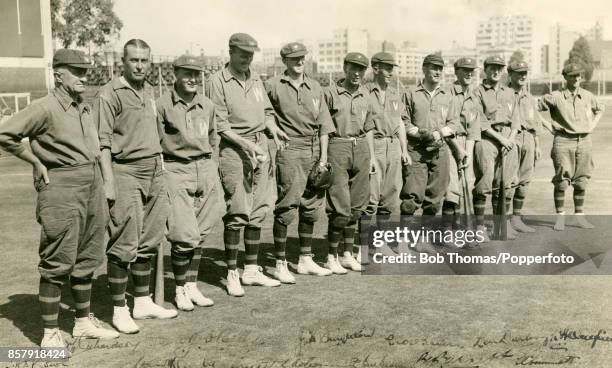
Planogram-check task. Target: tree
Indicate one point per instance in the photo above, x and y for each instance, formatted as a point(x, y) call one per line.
point(83, 23)
point(517, 57)
point(581, 55)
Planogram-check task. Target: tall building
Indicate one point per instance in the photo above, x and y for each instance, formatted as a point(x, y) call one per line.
point(452, 55)
point(560, 43)
point(410, 62)
point(544, 57)
point(330, 53)
point(270, 56)
point(595, 33)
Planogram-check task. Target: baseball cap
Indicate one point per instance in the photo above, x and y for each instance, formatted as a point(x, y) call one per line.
point(244, 42)
point(356, 58)
point(188, 62)
point(494, 60)
point(433, 59)
point(518, 66)
point(572, 69)
point(293, 49)
point(73, 58)
point(465, 63)
point(383, 57)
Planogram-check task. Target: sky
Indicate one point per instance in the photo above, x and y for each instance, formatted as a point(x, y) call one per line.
point(173, 27)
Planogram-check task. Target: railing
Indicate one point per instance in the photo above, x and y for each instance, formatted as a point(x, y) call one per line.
point(16, 97)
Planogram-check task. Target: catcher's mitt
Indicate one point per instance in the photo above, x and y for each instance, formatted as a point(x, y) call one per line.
point(319, 177)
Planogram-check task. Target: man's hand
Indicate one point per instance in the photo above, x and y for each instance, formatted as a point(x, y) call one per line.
point(372, 167)
point(538, 152)
point(506, 143)
point(110, 192)
point(40, 173)
point(280, 137)
point(406, 159)
point(255, 152)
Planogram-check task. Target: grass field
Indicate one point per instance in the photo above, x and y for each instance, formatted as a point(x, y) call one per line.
point(339, 321)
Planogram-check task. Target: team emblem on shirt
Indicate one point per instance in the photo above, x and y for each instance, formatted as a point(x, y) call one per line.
point(395, 105)
point(316, 102)
point(258, 94)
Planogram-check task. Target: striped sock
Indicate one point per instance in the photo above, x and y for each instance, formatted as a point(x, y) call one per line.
point(141, 275)
point(231, 238)
point(251, 245)
point(81, 293)
point(117, 281)
point(305, 230)
point(559, 200)
point(349, 238)
point(479, 209)
point(508, 205)
point(517, 203)
point(180, 266)
point(49, 296)
point(579, 196)
point(194, 266)
point(279, 231)
point(333, 237)
point(448, 208)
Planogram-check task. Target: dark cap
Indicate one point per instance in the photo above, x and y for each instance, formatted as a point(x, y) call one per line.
point(465, 63)
point(494, 60)
point(244, 42)
point(356, 58)
point(383, 57)
point(518, 66)
point(188, 62)
point(572, 69)
point(293, 49)
point(73, 58)
point(433, 59)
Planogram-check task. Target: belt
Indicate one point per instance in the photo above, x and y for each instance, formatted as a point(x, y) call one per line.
point(352, 140)
point(498, 127)
point(564, 134)
point(386, 137)
point(171, 158)
point(71, 167)
point(131, 160)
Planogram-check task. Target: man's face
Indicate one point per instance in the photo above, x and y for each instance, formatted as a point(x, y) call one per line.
point(518, 79)
point(383, 72)
point(354, 73)
point(295, 65)
point(433, 73)
point(240, 60)
point(71, 79)
point(573, 81)
point(136, 63)
point(187, 80)
point(494, 72)
point(464, 76)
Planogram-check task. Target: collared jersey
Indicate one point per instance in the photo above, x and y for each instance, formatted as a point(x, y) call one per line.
point(302, 111)
point(528, 114)
point(572, 114)
point(243, 107)
point(430, 111)
point(127, 120)
point(186, 129)
point(61, 131)
point(391, 110)
point(353, 114)
point(469, 123)
point(496, 105)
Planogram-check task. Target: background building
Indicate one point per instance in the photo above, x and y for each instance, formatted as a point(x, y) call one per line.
point(560, 43)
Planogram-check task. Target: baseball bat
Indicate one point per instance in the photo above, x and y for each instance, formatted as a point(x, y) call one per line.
point(467, 200)
point(501, 227)
point(159, 275)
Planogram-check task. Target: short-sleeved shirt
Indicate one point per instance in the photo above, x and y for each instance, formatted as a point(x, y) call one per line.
point(186, 129)
point(61, 131)
point(469, 122)
point(570, 113)
point(496, 106)
point(301, 112)
point(430, 111)
point(243, 107)
point(353, 114)
point(527, 109)
point(127, 120)
point(391, 110)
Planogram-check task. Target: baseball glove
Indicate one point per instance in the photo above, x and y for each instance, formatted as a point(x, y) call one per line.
point(320, 177)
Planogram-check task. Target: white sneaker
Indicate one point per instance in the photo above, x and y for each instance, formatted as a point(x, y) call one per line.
point(144, 308)
point(91, 328)
point(183, 302)
point(196, 296)
point(53, 339)
point(233, 283)
point(123, 322)
point(306, 266)
point(282, 274)
point(334, 266)
point(253, 275)
point(359, 258)
point(347, 261)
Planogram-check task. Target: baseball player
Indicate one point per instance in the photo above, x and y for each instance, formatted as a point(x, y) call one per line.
point(432, 116)
point(351, 149)
point(303, 115)
point(71, 207)
point(186, 124)
point(243, 113)
point(498, 124)
point(468, 132)
point(575, 113)
point(527, 140)
point(134, 185)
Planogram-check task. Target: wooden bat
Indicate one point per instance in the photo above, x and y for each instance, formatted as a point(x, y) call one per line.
point(159, 275)
point(466, 201)
point(501, 229)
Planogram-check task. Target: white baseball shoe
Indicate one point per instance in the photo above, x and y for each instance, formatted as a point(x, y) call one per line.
point(253, 275)
point(183, 302)
point(334, 266)
point(123, 322)
point(91, 328)
point(347, 261)
point(52, 338)
point(282, 274)
point(144, 308)
point(191, 288)
point(233, 283)
point(306, 266)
